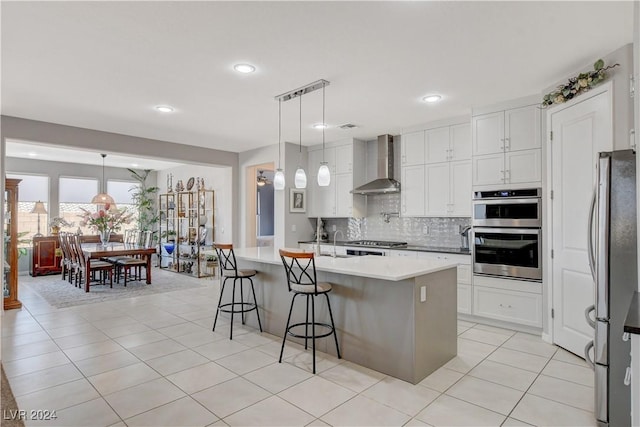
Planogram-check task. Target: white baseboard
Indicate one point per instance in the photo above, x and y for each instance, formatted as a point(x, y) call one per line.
point(547, 338)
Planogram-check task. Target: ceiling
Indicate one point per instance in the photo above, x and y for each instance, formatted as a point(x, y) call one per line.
point(106, 65)
point(54, 153)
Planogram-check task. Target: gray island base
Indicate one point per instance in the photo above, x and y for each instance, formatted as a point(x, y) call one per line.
point(380, 319)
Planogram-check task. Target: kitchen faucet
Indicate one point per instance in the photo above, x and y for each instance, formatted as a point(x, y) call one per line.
point(334, 241)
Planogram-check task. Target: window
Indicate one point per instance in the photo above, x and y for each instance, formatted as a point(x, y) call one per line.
point(32, 188)
point(74, 194)
point(119, 190)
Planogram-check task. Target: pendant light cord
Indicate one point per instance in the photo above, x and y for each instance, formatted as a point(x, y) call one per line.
point(324, 124)
point(300, 127)
point(103, 156)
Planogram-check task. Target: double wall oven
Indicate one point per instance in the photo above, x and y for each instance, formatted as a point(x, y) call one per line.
point(507, 228)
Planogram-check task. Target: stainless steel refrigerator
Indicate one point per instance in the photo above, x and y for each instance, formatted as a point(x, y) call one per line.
point(613, 261)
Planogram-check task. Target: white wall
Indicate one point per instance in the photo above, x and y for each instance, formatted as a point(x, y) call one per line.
point(304, 230)
point(218, 179)
point(284, 221)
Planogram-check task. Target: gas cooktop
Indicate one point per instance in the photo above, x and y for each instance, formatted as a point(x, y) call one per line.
point(377, 244)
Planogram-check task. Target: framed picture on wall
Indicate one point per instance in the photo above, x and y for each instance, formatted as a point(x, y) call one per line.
point(297, 200)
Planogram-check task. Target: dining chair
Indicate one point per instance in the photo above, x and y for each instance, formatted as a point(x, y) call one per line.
point(126, 263)
point(96, 265)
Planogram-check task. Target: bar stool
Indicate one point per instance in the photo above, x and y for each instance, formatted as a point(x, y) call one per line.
point(300, 269)
point(229, 270)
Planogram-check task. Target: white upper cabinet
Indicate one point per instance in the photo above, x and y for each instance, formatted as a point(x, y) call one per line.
point(442, 187)
point(460, 188)
point(344, 199)
point(488, 133)
point(412, 145)
point(488, 170)
point(437, 145)
point(507, 147)
point(336, 200)
point(460, 146)
point(343, 159)
point(413, 191)
point(523, 166)
point(438, 189)
point(522, 128)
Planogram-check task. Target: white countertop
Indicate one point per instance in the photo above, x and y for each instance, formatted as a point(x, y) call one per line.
point(375, 267)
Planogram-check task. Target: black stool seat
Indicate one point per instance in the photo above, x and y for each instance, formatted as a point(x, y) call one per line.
point(229, 270)
point(300, 268)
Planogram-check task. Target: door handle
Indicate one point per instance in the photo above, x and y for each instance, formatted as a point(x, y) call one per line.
point(586, 354)
point(627, 376)
point(588, 311)
point(590, 247)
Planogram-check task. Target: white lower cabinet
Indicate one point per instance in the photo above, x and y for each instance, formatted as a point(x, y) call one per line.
point(465, 298)
point(464, 276)
point(509, 300)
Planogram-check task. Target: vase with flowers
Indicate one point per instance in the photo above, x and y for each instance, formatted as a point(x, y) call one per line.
point(105, 221)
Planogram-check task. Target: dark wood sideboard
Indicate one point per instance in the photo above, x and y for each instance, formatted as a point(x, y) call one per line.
point(46, 256)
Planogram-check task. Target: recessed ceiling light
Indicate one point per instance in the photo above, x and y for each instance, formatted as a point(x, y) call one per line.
point(165, 108)
point(432, 98)
point(244, 68)
point(135, 165)
point(32, 154)
point(320, 126)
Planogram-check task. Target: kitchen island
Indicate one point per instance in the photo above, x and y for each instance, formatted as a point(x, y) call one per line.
point(396, 316)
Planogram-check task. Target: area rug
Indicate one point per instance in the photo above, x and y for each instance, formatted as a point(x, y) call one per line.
point(60, 293)
point(10, 416)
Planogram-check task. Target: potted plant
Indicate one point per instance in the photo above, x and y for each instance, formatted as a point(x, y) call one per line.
point(211, 260)
point(144, 199)
point(169, 235)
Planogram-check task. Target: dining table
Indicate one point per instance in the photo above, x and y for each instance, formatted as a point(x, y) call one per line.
point(94, 251)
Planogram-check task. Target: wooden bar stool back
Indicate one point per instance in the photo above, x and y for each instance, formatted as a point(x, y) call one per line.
point(300, 269)
point(229, 270)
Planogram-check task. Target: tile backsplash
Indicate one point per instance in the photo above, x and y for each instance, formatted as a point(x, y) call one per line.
point(444, 231)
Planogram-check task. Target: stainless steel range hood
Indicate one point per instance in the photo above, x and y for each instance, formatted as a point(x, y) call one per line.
point(384, 182)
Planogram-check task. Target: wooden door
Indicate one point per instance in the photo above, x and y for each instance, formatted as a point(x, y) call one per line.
point(580, 131)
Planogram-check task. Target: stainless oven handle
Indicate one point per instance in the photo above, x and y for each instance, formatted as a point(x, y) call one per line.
point(590, 247)
point(532, 231)
point(531, 201)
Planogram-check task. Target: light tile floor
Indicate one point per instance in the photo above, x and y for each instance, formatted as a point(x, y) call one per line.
point(153, 361)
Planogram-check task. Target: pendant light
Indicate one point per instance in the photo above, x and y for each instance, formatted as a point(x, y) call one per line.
point(300, 179)
point(278, 178)
point(324, 175)
point(103, 198)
